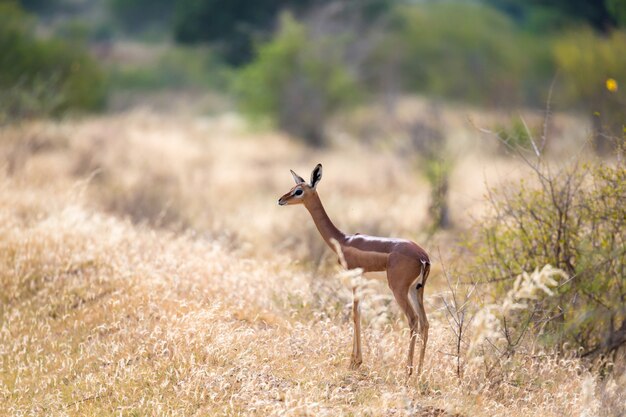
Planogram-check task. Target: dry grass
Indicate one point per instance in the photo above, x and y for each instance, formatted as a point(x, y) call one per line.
point(147, 270)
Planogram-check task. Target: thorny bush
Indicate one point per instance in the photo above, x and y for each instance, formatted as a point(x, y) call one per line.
point(574, 219)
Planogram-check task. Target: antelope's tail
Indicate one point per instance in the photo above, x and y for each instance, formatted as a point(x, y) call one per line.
point(425, 272)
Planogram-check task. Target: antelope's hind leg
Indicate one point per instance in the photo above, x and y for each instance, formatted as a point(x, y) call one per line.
point(401, 296)
point(356, 358)
point(404, 275)
point(416, 295)
point(423, 320)
point(416, 325)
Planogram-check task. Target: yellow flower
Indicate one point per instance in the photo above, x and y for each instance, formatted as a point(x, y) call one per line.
point(611, 85)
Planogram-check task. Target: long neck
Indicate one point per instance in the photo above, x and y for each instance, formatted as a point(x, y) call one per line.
point(323, 223)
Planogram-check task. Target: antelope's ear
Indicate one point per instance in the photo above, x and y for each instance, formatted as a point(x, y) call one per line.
point(297, 178)
point(316, 175)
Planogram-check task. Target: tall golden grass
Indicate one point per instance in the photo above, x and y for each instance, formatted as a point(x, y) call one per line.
point(145, 269)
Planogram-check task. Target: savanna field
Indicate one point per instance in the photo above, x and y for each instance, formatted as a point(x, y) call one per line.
point(146, 269)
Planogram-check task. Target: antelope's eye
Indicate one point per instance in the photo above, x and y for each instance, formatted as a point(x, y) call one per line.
point(298, 192)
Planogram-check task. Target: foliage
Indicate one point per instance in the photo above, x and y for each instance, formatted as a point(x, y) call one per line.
point(40, 77)
point(515, 134)
point(586, 61)
point(297, 81)
point(231, 26)
point(490, 325)
point(449, 49)
point(437, 171)
point(428, 143)
point(139, 15)
point(182, 67)
point(617, 8)
point(40, 6)
point(573, 219)
point(79, 31)
point(40, 97)
point(552, 14)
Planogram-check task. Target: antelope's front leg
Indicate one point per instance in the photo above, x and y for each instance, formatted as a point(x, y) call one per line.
point(356, 359)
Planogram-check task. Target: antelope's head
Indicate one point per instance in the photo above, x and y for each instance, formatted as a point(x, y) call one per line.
point(302, 191)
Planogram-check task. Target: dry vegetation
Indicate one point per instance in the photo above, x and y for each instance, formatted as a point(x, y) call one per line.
point(146, 269)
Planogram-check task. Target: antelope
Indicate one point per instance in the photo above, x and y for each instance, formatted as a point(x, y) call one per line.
point(406, 263)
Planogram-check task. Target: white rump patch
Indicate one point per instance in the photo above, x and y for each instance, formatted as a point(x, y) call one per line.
point(412, 294)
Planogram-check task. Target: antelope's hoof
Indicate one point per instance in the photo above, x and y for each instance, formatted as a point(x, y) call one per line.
point(412, 373)
point(355, 364)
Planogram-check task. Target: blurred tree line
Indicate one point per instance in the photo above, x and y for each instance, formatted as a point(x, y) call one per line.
point(330, 54)
point(493, 53)
point(236, 25)
point(232, 27)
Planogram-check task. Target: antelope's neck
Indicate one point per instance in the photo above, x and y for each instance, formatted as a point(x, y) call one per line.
point(323, 223)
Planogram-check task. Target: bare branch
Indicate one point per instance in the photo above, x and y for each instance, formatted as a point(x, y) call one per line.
point(530, 136)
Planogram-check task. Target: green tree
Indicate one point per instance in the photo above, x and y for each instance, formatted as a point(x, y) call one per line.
point(554, 14)
point(138, 15)
point(591, 68)
point(40, 6)
point(297, 81)
point(235, 26)
point(617, 8)
point(231, 26)
point(39, 77)
point(466, 51)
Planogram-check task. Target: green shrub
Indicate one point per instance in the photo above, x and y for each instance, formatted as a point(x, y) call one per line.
point(617, 8)
point(297, 82)
point(467, 51)
point(32, 69)
point(586, 62)
point(573, 219)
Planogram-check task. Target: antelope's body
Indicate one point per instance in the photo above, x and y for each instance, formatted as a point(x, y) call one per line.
point(406, 263)
point(373, 253)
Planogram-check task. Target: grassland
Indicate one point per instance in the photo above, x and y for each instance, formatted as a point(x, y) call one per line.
point(146, 269)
